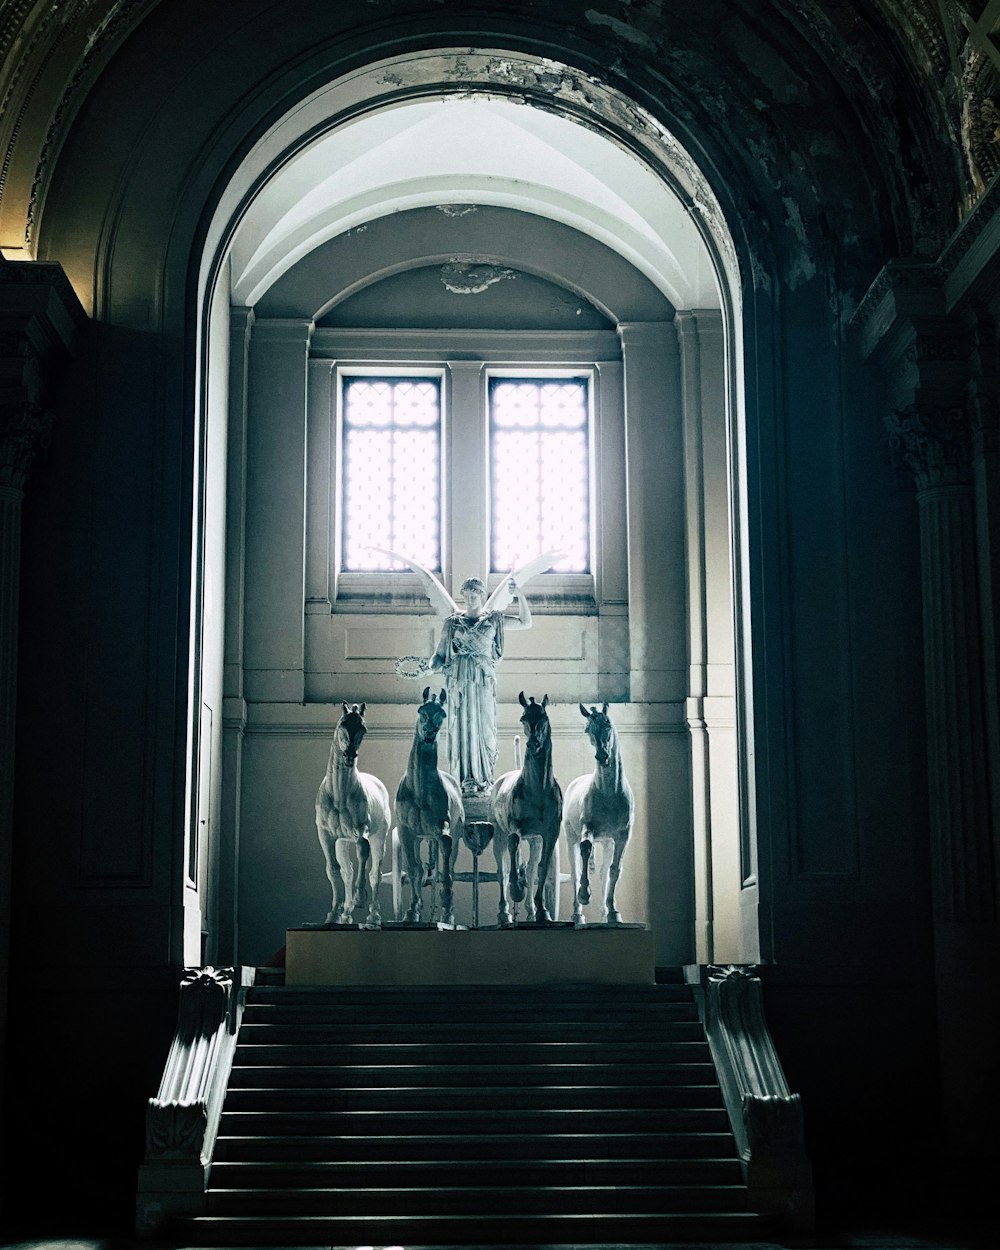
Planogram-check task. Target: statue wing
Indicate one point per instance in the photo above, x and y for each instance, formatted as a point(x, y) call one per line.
point(441, 601)
point(501, 597)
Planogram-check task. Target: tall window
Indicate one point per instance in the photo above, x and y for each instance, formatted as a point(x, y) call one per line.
point(391, 479)
point(540, 472)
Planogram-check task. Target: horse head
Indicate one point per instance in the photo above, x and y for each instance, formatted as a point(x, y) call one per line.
point(431, 715)
point(535, 720)
point(351, 728)
point(600, 731)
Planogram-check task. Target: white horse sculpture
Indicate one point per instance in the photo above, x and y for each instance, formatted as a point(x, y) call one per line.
point(526, 805)
point(352, 820)
point(429, 809)
point(599, 807)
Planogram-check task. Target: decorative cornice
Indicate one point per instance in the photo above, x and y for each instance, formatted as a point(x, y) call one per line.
point(899, 281)
point(43, 273)
point(933, 442)
point(964, 238)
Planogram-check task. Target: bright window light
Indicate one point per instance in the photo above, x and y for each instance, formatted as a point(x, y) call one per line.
point(540, 472)
point(391, 471)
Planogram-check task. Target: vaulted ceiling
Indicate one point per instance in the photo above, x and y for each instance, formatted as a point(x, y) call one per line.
point(793, 79)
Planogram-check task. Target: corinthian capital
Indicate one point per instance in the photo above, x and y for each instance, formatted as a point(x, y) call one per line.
point(24, 430)
point(933, 442)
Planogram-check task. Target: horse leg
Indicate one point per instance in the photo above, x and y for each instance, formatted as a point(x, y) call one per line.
point(546, 847)
point(446, 879)
point(415, 871)
point(532, 880)
point(327, 843)
point(575, 870)
point(434, 877)
point(364, 859)
point(612, 915)
point(345, 858)
point(377, 844)
point(586, 854)
point(553, 883)
point(396, 866)
point(518, 878)
point(501, 855)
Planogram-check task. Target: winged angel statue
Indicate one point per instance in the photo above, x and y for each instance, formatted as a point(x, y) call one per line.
point(469, 649)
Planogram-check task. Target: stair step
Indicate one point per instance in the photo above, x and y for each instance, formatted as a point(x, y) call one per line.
point(449, 1200)
point(456, 1172)
point(529, 1120)
point(416, 1047)
point(447, 1229)
point(496, 1034)
point(444, 1115)
point(513, 1097)
point(460, 1013)
point(431, 1072)
point(515, 1146)
point(547, 995)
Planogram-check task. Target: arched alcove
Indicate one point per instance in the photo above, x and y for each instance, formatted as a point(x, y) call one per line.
point(362, 194)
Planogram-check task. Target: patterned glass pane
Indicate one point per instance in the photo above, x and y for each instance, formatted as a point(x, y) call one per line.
point(391, 472)
point(540, 471)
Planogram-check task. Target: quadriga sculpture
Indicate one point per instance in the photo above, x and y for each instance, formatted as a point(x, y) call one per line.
point(352, 820)
point(599, 807)
point(526, 805)
point(429, 809)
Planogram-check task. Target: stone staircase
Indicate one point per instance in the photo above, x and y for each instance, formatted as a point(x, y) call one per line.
point(473, 1115)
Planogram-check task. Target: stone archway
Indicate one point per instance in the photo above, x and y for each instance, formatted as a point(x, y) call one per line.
point(258, 233)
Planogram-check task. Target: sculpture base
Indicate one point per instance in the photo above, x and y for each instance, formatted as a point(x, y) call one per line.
point(528, 955)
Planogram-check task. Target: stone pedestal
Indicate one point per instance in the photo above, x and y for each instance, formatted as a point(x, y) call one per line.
point(524, 956)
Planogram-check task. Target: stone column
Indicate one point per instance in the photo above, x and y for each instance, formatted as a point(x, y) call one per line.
point(39, 317)
point(936, 434)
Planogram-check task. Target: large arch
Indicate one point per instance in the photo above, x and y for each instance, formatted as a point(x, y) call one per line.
point(294, 251)
point(138, 270)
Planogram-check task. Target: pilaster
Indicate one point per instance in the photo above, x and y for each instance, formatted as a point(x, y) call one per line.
point(467, 469)
point(274, 535)
point(39, 318)
point(937, 372)
point(654, 510)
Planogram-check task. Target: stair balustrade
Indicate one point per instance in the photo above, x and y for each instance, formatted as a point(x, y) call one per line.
point(765, 1116)
point(182, 1121)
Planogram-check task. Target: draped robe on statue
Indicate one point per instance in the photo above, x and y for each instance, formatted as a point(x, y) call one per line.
point(468, 652)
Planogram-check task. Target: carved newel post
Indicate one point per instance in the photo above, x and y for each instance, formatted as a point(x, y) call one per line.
point(39, 316)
